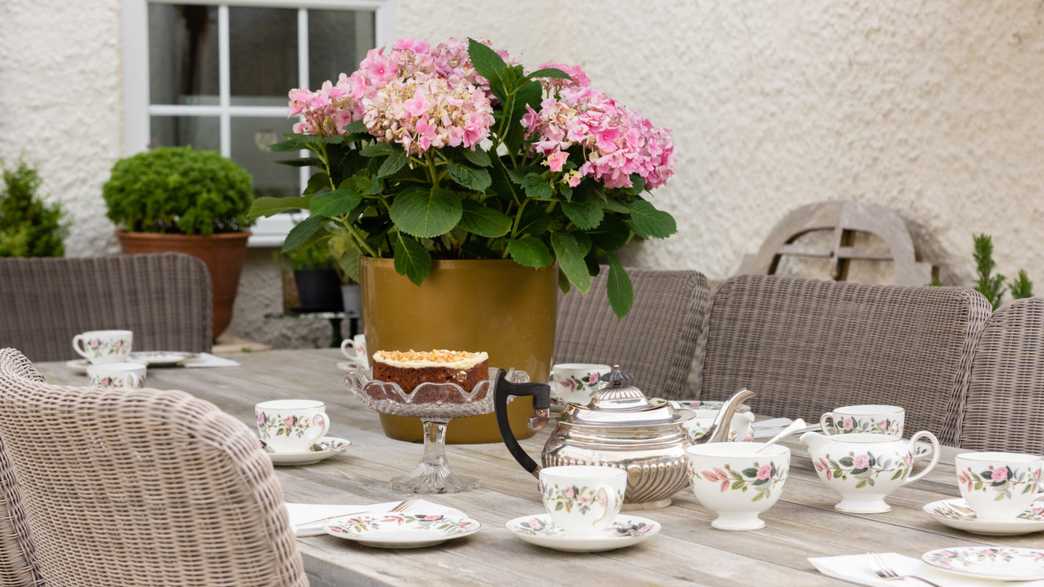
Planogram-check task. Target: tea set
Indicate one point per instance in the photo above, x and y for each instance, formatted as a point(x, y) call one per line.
point(109, 361)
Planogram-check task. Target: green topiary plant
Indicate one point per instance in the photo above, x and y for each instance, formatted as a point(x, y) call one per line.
point(28, 226)
point(1021, 286)
point(179, 190)
point(991, 285)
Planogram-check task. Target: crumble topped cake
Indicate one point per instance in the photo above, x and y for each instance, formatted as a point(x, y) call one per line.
point(411, 368)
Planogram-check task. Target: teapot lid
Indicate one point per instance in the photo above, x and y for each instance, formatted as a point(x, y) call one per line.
point(619, 403)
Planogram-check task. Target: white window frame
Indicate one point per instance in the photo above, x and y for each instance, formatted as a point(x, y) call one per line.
point(267, 232)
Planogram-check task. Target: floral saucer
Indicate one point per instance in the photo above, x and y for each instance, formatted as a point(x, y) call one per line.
point(625, 531)
point(402, 530)
point(956, 513)
point(325, 448)
point(160, 358)
point(989, 562)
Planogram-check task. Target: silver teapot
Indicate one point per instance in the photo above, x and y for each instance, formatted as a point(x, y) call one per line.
point(620, 427)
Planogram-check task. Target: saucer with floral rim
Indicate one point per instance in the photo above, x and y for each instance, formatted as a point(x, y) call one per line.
point(626, 531)
point(957, 514)
point(989, 562)
point(402, 530)
point(323, 449)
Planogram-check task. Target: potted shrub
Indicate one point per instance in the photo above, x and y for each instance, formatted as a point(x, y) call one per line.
point(187, 201)
point(28, 226)
point(318, 286)
point(462, 190)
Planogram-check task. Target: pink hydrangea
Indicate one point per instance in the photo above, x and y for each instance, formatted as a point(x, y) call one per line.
point(326, 111)
point(578, 78)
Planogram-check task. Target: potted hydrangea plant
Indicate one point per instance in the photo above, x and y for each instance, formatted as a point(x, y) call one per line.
point(461, 189)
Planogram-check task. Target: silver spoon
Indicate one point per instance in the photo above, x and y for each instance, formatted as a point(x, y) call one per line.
point(791, 428)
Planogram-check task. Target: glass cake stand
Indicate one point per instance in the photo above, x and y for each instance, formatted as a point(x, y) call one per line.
point(435, 404)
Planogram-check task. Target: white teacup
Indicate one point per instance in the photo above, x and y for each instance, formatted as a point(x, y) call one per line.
point(866, 418)
point(575, 382)
point(291, 425)
point(117, 375)
point(736, 482)
point(583, 499)
point(354, 349)
point(104, 346)
point(999, 486)
point(741, 428)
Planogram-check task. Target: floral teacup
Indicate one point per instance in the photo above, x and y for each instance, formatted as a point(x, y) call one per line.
point(117, 375)
point(704, 413)
point(583, 499)
point(354, 349)
point(104, 346)
point(999, 486)
point(868, 418)
point(736, 482)
point(863, 468)
point(574, 383)
point(291, 425)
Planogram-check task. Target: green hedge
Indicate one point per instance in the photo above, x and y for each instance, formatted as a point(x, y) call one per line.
point(28, 227)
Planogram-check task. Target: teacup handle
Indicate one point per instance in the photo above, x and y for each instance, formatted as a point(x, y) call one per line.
point(348, 344)
point(610, 502)
point(79, 347)
point(322, 431)
point(828, 422)
point(924, 435)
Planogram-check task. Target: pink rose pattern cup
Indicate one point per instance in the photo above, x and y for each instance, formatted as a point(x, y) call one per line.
point(104, 346)
point(999, 486)
point(291, 425)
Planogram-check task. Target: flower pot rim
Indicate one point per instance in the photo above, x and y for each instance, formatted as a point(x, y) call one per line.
point(240, 235)
point(455, 263)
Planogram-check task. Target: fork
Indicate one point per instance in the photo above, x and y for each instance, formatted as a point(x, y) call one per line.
point(399, 508)
point(886, 573)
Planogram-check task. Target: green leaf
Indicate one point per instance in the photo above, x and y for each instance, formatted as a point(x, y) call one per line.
point(537, 187)
point(477, 157)
point(529, 93)
point(570, 255)
point(650, 222)
point(317, 183)
point(612, 234)
point(615, 206)
point(356, 127)
point(473, 179)
point(618, 288)
point(483, 220)
point(549, 72)
point(530, 251)
point(391, 165)
point(340, 201)
point(305, 162)
point(346, 254)
point(490, 65)
point(291, 142)
point(586, 214)
point(268, 206)
point(411, 258)
point(376, 150)
point(563, 282)
point(426, 213)
point(302, 233)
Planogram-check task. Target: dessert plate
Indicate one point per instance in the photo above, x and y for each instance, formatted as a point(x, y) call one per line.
point(402, 530)
point(989, 562)
point(625, 531)
point(956, 513)
point(160, 358)
point(325, 448)
point(78, 366)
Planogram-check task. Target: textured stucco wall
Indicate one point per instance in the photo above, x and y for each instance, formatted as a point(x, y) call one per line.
point(933, 108)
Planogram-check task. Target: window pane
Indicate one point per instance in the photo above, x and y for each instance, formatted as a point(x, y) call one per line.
point(337, 41)
point(201, 132)
point(262, 54)
point(183, 54)
point(251, 138)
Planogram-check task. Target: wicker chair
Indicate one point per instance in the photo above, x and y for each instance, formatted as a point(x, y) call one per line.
point(165, 299)
point(1004, 408)
point(656, 340)
point(150, 488)
point(807, 347)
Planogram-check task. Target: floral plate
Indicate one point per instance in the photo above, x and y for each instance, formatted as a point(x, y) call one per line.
point(956, 513)
point(402, 530)
point(625, 531)
point(323, 449)
point(989, 562)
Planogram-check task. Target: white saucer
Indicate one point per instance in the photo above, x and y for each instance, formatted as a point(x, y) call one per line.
point(625, 531)
point(327, 447)
point(78, 366)
point(160, 358)
point(351, 365)
point(402, 530)
point(989, 562)
point(956, 513)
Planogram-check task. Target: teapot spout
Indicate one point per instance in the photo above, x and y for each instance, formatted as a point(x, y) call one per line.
point(722, 426)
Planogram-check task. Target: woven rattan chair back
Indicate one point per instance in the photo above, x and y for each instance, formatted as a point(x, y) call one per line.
point(1005, 403)
point(164, 299)
point(654, 343)
point(806, 347)
point(139, 489)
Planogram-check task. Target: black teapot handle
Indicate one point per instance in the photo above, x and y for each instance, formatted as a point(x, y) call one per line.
point(541, 394)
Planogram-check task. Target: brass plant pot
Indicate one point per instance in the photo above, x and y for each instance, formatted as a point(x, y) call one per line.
point(495, 306)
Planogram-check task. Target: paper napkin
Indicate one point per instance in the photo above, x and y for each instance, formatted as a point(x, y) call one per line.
point(208, 360)
point(859, 569)
point(308, 519)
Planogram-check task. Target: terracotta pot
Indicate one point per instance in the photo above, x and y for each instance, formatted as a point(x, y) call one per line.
point(224, 255)
point(496, 306)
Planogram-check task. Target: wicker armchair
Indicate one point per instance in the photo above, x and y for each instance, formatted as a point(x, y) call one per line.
point(657, 339)
point(806, 347)
point(1004, 408)
point(165, 299)
point(149, 488)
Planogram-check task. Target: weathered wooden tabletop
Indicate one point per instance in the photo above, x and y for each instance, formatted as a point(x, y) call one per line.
point(687, 551)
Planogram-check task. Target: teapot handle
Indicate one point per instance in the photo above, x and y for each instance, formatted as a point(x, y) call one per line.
point(541, 393)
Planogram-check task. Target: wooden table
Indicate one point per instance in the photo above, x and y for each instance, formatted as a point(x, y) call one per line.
point(687, 551)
